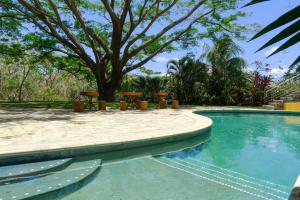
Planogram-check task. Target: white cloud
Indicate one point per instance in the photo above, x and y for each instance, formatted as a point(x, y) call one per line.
point(270, 51)
point(164, 59)
point(278, 71)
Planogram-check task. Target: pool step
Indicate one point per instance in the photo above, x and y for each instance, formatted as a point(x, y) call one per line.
point(22, 170)
point(49, 182)
point(255, 187)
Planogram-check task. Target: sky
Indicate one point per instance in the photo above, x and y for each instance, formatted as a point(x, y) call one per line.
point(262, 14)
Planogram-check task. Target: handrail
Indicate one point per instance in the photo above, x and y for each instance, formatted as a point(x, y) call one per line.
point(283, 88)
point(282, 82)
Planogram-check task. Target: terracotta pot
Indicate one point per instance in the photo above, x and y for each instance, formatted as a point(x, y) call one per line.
point(122, 105)
point(162, 103)
point(144, 105)
point(175, 104)
point(78, 106)
point(102, 105)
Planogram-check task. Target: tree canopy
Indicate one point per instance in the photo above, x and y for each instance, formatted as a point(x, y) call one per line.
point(111, 38)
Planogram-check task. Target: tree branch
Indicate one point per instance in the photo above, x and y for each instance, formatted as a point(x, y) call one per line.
point(161, 33)
point(166, 44)
point(88, 32)
point(158, 14)
point(110, 10)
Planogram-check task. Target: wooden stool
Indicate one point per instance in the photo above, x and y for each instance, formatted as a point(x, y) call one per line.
point(144, 105)
point(175, 104)
point(78, 106)
point(102, 105)
point(162, 103)
point(122, 105)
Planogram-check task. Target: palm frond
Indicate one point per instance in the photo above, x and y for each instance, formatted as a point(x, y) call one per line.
point(295, 27)
point(255, 2)
point(292, 31)
point(292, 41)
point(282, 20)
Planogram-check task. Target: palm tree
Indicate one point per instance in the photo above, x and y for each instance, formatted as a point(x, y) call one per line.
point(149, 85)
point(227, 75)
point(188, 79)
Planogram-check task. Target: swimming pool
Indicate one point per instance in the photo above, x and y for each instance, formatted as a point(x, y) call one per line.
point(246, 156)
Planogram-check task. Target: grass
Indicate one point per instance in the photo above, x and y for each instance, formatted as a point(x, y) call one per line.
point(53, 104)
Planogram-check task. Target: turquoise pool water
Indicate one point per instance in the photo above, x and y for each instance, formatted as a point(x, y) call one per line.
point(246, 156)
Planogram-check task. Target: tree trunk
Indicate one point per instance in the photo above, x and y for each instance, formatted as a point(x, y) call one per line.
point(20, 90)
point(109, 94)
point(107, 90)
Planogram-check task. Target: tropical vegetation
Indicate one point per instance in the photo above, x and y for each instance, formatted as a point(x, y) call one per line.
point(110, 38)
point(217, 77)
point(52, 50)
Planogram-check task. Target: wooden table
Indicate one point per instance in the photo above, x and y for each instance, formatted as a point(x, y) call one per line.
point(132, 98)
point(90, 95)
point(161, 98)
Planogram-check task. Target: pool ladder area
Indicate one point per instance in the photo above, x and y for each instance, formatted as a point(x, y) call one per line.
point(36, 180)
point(259, 189)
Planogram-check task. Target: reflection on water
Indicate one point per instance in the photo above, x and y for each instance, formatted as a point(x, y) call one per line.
point(188, 152)
point(291, 120)
point(196, 142)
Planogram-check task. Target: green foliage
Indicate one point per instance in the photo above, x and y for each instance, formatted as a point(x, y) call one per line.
point(23, 79)
point(111, 38)
point(146, 71)
point(219, 77)
point(149, 85)
point(188, 80)
point(227, 75)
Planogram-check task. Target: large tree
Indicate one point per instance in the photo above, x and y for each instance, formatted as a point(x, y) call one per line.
point(113, 37)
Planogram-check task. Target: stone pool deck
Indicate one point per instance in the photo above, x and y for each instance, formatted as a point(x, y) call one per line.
point(27, 131)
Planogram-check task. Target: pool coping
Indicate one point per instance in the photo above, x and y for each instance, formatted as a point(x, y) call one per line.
point(75, 151)
point(248, 111)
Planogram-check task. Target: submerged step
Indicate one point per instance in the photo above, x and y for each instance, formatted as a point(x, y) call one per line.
point(236, 181)
point(27, 169)
point(49, 182)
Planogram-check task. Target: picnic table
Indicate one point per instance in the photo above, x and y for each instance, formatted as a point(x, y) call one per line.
point(161, 99)
point(132, 96)
point(90, 95)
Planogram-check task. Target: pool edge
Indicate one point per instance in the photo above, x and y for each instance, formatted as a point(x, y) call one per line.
point(252, 111)
point(39, 155)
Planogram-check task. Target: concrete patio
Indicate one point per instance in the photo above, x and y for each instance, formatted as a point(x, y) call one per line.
point(34, 130)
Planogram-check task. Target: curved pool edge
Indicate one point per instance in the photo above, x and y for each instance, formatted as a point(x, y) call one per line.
point(252, 111)
point(39, 155)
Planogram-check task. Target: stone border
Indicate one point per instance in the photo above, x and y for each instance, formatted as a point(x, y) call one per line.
point(40, 155)
point(285, 112)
